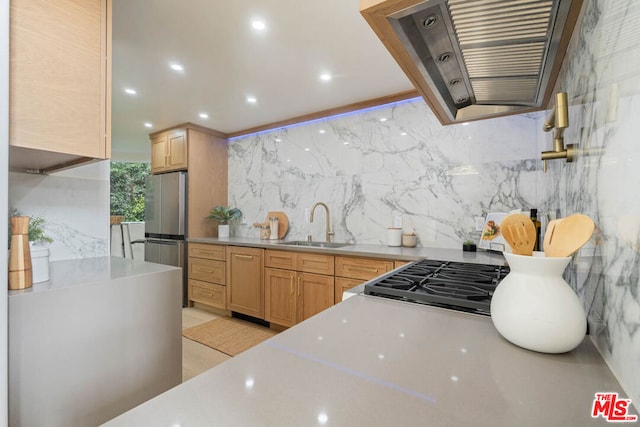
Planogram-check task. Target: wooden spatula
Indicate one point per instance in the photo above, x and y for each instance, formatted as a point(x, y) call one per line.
point(569, 235)
point(518, 230)
point(548, 235)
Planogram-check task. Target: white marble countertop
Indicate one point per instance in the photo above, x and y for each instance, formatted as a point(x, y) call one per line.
point(90, 271)
point(371, 251)
point(376, 362)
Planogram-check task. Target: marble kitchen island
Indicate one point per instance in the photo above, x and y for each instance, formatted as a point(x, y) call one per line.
point(101, 336)
point(374, 362)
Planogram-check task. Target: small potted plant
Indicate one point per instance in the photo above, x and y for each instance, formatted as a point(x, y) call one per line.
point(224, 215)
point(468, 246)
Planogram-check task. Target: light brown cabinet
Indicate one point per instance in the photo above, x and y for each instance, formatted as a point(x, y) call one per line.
point(297, 286)
point(206, 271)
point(60, 83)
point(245, 281)
point(203, 153)
point(344, 284)
point(353, 271)
point(280, 296)
point(316, 293)
point(169, 151)
point(361, 268)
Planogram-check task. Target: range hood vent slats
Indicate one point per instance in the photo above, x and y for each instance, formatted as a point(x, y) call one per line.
point(473, 59)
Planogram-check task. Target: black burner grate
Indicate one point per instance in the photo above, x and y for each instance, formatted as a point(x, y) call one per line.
point(455, 285)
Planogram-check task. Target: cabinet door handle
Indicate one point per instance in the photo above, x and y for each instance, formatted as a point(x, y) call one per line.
point(299, 286)
point(244, 256)
point(291, 291)
point(372, 270)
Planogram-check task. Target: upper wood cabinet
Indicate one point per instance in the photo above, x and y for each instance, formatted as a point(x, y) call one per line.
point(169, 151)
point(60, 83)
point(203, 153)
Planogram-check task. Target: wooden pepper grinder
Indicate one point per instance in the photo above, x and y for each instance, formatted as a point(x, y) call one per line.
point(20, 276)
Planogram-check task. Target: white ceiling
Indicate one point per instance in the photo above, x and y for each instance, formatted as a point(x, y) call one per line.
point(226, 60)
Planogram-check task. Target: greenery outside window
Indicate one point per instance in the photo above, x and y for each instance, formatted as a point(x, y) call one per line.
point(127, 189)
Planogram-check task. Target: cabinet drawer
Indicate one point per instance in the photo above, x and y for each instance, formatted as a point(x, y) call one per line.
point(207, 293)
point(202, 250)
point(361, 268)
point(207, 270)
point(344, 284)
point(313, 263)
point(397, 264)
point(280, 259)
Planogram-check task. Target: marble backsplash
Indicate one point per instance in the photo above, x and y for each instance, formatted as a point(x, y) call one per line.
point(602, 79)
point(74, 204)
point(394, 160)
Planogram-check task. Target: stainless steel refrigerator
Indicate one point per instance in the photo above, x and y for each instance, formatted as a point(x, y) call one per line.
point(165, 224)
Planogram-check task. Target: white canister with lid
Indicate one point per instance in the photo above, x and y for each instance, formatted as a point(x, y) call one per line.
point(273, 225)
point(394, 236)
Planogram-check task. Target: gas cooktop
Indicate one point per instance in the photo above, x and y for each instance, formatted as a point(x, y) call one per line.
point(454, 285)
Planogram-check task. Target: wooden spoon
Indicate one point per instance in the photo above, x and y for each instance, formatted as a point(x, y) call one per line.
point(548, 235)
point(569, 235)
point(518, 230)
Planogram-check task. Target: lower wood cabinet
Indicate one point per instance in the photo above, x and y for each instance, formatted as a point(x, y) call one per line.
point(344, 284)
point(208, 293)
point(362, 268)
point(245, 280)
point(206, 269)
point(315, 294)
point(281, 296)
point(353, 271)
point(294, 291)
point(282, 287)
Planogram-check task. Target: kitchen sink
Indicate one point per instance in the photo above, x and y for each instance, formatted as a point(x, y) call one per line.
point(304, 243)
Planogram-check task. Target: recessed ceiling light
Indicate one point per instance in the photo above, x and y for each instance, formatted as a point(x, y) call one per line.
point(322, 131)
point(278, 140)
point(258, 25)
point(148, 125)
point(203, 115)
point(307, 149)
point(176, 67)
point(403, 133)
point(252, 99)
point(346, 143)
point(465, 124)
point(325, 77)
point(130, 91)
point(383, 119)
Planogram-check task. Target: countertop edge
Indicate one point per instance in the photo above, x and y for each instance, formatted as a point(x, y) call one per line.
point(364, 250)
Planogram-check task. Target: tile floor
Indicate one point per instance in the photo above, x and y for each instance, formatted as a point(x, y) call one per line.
point(197, 358)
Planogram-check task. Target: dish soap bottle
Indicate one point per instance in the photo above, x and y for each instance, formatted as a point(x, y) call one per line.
point(536, 223)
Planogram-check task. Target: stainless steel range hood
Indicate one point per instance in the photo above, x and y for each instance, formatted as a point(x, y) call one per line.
point(475, 59)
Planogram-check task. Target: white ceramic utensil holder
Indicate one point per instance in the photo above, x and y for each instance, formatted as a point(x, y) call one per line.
point(535, 308)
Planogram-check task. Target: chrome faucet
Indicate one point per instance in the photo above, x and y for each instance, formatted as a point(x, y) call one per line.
point(326, 208)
